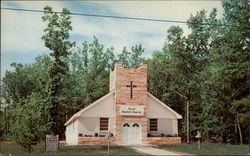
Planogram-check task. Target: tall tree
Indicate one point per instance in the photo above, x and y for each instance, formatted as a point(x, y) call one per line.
point(184, 58)
point(227, 73)
point(56, 38)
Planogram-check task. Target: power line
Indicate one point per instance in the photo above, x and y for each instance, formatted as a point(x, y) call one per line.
point(123, 17)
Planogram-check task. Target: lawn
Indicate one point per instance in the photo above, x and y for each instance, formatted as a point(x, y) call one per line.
point(16, 150)
point(209, 149)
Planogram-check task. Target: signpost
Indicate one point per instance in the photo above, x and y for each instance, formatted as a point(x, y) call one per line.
point(108, 137)
point(52, 143)
point(198, 136)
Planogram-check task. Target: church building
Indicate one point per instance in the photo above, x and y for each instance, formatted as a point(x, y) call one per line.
point(128, 113)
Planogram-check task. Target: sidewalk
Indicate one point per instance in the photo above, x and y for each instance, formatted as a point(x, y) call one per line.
point(153, 150)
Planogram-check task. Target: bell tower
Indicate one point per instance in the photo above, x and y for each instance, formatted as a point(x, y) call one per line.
point(130, 86)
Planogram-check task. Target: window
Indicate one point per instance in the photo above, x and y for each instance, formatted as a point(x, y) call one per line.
point(153, 124)
point(135, 125)
point(126, 125)
point(104, 124)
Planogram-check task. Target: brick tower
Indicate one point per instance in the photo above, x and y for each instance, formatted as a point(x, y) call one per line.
point(130, 86)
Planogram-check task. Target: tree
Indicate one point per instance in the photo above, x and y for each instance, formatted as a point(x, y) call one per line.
point(135, 59)
point(56, 38)
point(30, 123)
point(227, 73)
point(124, 57)
point(181, 61)
point(240, 109)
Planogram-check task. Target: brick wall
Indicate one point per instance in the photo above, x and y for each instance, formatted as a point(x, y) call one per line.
point(123, 77)
point(94, 140)
point(147, 140)
point(163, 140)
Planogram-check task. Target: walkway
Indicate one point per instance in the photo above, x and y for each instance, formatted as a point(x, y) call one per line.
point(153, 150)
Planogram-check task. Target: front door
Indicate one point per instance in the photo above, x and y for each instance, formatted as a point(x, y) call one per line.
point(131, 133)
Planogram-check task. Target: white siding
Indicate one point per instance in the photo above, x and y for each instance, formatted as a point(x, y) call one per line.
point(104, 108)
point(72, 133)
point(90, 126)
point(167, 120)
point(156, 110)
point(166, 126)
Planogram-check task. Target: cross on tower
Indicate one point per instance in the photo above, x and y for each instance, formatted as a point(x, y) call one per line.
point(131, 86)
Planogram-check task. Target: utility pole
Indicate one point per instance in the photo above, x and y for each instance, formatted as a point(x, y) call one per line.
point(187, 100)
point(188, 121)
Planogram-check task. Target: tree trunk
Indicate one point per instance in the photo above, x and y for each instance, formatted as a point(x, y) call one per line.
point(29, 150)
point(188, 122)
point(236, 131)
point(238, 124)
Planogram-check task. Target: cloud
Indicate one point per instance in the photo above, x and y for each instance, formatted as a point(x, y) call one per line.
point(22, 31)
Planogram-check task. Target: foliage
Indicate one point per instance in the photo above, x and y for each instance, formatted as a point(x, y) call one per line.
point(124, 57)
point(30, 123)
point(210, 67)
point(226, 74)
point(18, 85)
point(131, 59)
point(56, 39)
point(135, 58)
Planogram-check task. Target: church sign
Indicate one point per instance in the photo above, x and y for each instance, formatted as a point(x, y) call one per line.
point(52, 143)
point(132, 110)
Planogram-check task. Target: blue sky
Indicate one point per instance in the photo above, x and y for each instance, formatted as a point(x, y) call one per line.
point(21, 31)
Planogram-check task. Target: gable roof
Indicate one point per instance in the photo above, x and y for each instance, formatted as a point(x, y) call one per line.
point(78, 114)
point(178, 116)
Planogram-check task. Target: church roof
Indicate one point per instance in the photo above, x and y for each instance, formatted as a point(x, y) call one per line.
point(178, 116)
point(78, 114)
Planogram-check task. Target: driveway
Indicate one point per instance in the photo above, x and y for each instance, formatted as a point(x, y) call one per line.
point(153, 150)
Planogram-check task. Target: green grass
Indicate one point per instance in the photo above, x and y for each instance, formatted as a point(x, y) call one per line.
point(39, 150)
point(209, 149)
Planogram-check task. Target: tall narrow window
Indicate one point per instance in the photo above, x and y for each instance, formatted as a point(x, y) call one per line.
point(104, 124)
point(153, 124)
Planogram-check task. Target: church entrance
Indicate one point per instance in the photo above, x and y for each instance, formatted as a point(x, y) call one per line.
point(131, 133)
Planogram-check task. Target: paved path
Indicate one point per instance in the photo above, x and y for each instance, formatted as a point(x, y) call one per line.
point(154, 150)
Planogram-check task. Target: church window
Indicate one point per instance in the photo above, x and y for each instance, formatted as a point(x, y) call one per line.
point(153, 124)
point(104, 124)
point(135, 125)
point(126, 125)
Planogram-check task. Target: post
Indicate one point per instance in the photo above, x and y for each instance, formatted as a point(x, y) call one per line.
point(188, 122)
point(199, 143)
point(108, 133)
point(187, 113)
point(108, 141)
point(198, 136)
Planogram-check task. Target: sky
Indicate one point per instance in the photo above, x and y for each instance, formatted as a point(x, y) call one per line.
point(21, 32)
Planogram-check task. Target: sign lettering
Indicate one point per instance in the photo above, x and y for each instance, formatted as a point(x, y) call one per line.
point(132, 110)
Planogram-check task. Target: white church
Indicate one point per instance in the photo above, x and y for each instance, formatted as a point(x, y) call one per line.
point(128, 113)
